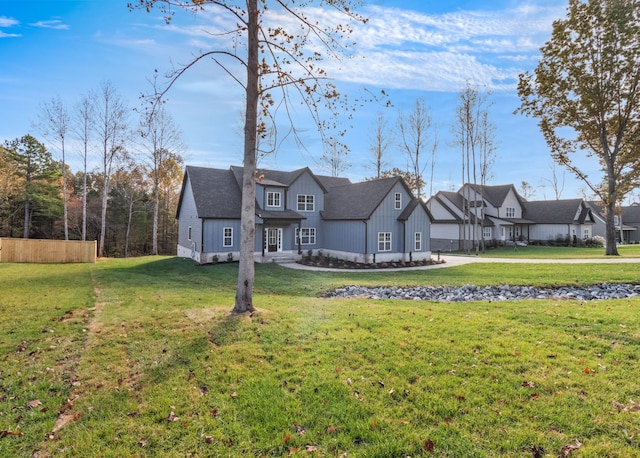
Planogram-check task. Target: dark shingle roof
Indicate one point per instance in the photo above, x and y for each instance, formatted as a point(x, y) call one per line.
point(556, 211)
point(357, 201)
point(411, 206)
point(495, 194)
point(215, 191)
point(631, 214)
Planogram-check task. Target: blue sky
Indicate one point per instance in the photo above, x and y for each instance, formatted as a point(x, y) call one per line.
point(411, 48)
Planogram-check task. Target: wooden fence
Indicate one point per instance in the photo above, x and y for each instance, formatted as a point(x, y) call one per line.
point(35, 250)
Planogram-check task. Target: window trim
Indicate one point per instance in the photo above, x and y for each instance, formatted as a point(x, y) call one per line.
point(305, 204)
point(398, 201)
point(311, 237)
point(510, 212)
point(225, 237)
point(487, 232)
point(273, 195)
point(417, 241)
point(383, 243)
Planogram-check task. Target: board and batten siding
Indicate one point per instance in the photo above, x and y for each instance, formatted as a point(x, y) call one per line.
point(385, 219)
point(307, 185)
point(348, 236)
point(188, 217)
point(417, 222)
point(214, 235)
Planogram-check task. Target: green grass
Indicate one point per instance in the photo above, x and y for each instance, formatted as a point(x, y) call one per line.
point(549, 252)
point(136, 339)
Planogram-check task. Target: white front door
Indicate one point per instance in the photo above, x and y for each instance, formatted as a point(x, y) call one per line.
point(273, 238)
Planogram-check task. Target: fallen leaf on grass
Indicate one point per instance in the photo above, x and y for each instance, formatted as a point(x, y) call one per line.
point(428, 445)
point(528, 384)
point(588, 371)
point(632, 407)
point(172, 417)
point(6, 433)
point(208, 439)
point(567, 449)
point(34, 403)
point(311, 448)
point(142, 442)
point(286, 438)
point(332, 429)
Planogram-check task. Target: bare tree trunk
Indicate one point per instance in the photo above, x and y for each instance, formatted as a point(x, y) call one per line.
point(610, 206)
point(244, 291)
point(156, 206)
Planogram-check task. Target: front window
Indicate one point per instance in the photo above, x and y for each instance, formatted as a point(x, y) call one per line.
point(418, 241)
point(306, 203)
point(511, 212)
point(306, 236)
point(227, 237)
point(273, 199)
point(486, 232)
point(398, 201)
point(384, 241)
point(586, 234)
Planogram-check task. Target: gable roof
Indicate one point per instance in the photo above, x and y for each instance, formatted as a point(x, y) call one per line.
point(358, 201)
point(411, 206)
point(496, 195)
point(284, 179)
point(557, 211)
point(215, 191)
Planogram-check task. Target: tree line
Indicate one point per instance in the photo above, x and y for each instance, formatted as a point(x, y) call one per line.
point(126, 201)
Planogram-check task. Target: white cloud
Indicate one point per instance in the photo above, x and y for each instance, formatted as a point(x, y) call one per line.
point(8, 21)
point(55, 24)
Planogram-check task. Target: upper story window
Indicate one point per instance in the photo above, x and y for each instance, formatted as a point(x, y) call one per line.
point(511, 212)
point(306, 203)
point(398, 201)
point(273, 199)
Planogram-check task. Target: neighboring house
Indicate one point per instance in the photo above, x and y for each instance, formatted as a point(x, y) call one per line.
point(299, 212)
point(627, 222)
point(500, 214)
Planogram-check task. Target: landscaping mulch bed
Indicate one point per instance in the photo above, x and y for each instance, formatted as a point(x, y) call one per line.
point(335, 263)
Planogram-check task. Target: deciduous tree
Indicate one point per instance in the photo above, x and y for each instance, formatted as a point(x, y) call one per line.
point(161, 141)
point(54, 123)
point(381, 140)
point(111, 129)
point(585, 92)
point(414, 136)
point(280, 45)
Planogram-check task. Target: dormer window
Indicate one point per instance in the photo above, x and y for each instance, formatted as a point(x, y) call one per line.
point(398, 201)
point(511, 212)
point(273, 199)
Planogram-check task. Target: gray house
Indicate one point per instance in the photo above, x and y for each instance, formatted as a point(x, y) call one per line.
point(499, 214)
point(299, 212)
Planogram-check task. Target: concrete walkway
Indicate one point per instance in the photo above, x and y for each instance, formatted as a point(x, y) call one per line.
point(459, 260)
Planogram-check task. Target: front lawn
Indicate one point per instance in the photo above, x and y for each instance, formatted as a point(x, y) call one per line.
point(549, 252)
point(140, 357)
